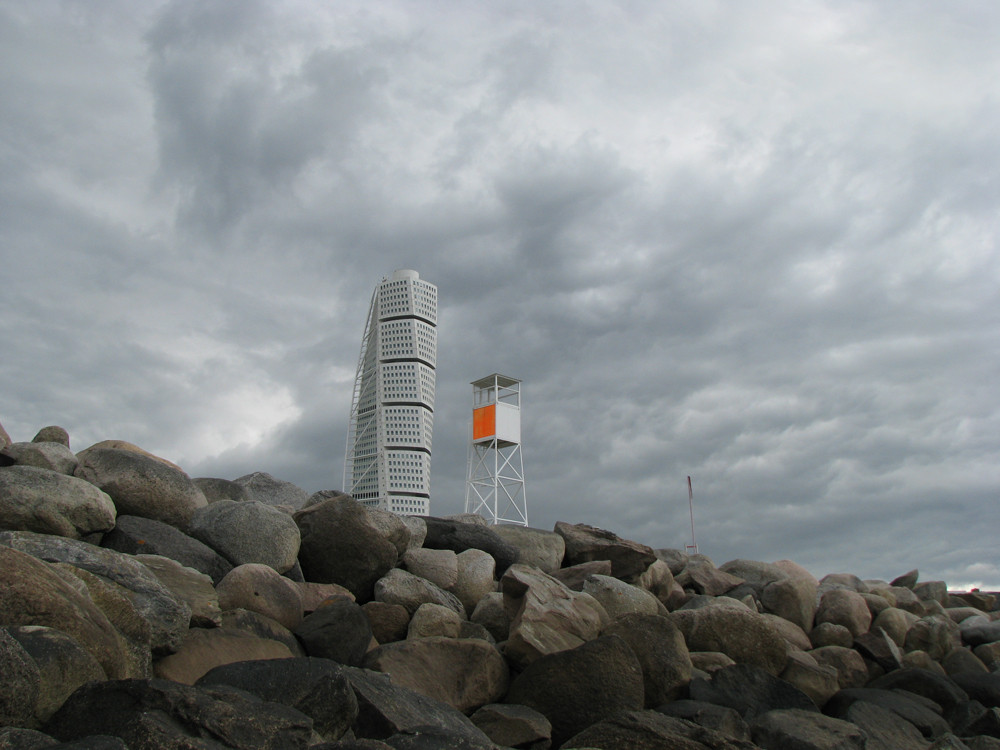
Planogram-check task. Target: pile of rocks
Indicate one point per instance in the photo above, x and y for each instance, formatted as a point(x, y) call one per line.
point(140, 608)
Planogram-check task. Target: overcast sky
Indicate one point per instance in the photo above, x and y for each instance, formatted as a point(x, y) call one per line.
point(757, 243)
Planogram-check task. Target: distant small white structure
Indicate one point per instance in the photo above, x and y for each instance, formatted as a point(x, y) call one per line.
point(495, 488)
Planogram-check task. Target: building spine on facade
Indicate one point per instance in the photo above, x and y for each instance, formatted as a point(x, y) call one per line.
point(388, 462)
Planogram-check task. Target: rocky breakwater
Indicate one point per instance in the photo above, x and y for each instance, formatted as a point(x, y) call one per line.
point(140, 608)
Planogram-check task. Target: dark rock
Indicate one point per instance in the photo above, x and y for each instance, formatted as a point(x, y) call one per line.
point(575, 576)
point(879, 648)
point(262, 626)
point(651, 730)
point(340, 545)
point(907, 580)
point(18, 738)
point(135, 535)
point(264, 488)
point(906, 706)
point(385, 710)
point(885, 729)
point(576, 688)
point(389, 622)
point(982, 687)
point(659, 646)
point(721, 719)
point(512, 725)
point(63, 665)
point(20, 683)
point(586, 543)
point(458, 537)
point(221, 489)
point(162, 714)
point(936, 687)
point(435, 739)
point(745, 636)
point(750, 690)
point(791, 729)
point(316, 687)
point(338, 630)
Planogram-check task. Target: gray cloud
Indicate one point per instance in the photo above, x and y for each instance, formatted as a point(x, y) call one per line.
point(753, 244)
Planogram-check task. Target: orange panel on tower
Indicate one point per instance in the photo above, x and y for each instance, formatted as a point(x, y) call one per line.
point(484, 422)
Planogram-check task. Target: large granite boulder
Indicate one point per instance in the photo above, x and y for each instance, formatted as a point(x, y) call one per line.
point(168, 617)
point(187, 585)
point(537, 547)
point(587, 543)
point(511, 725)
point(410, 591)
point(925, 716)
point(793, 728)
point(579, 687)
point(142, 486)
point(663, 656)
point(248, 532)
point(261, 626)
point(385, 710)
point(389, 622)
point(316, 687)
point(203, 649)
point(52, 434)
point(794, 599)
point(163, 714)
point(340, 545)
point(852, 671)
point(476, 570)
point(459, 536)
point(639, 730)
point(339, 630)
point(33, 592)
point(435, 620)
point(439, 566)
point(744, 636)
point(216, 489)
point(749, 690)
point(702, 577)
point(47, 502)
point(463, 672)
point(545, 616)
point(620, 598)
point(264, 488)
point(259, 588)
point(52, 456)
point(491, 614)
point(20, 684)
point(135, 535)
point(63, 666)
point(846, 607)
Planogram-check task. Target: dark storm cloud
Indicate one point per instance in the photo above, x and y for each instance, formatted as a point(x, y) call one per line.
point(754, 244)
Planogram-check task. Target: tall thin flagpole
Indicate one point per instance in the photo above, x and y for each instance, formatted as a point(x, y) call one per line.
point(694, 544)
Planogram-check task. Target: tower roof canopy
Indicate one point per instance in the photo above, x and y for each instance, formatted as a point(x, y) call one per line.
point(503, 381)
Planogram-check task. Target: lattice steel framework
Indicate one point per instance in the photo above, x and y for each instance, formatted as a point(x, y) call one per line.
point(495, 488)
point(388, 459)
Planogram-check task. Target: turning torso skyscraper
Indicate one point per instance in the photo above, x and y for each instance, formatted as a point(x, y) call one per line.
point(388, 463)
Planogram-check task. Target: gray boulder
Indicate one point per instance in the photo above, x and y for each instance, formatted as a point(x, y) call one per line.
point(464, 673)
point(188, 585)
point(141, 485)
point(923, 715)
point(852, 671)
point(340, 545)
point(935, 634)
point(794, 599)
point(385, 710)
point(577, 688)
point(588, 543)
point(410, 591)
point(545, 616)
point(793, 728)
point(63, 666)
point(159, 713)
point(460, 536)
point(537, 547)
point(248, 532)
point(47, 502)
point(52, 434)
point(491, 614)
point(475, 579)
point(434, 620)
point(439, 566)
point(651, 729)
point(216, 489)
point(749, 690)
point(619, 598)
point(33, 592)
point(722, 719)
point(744, 636)
point(20, 686)
point(511, 725)
point(135, 535)
point(884, 730)
point(264, 488)
point(339, 631)
point(663, 656)
point(316, 687)
point(168, 617)
point(842, 606)
point(52, 456)
point(702, 577)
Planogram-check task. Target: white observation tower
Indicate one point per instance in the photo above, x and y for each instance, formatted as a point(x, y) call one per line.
point(388, 461)
point(495, 488)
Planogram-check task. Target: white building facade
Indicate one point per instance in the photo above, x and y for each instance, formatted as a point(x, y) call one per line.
point(388, 462)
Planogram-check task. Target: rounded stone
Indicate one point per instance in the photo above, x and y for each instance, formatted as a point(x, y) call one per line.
point(248, 532)
point(259, 588)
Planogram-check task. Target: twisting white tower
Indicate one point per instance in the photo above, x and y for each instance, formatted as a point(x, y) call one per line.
point(388, 462)
point(495, 488)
